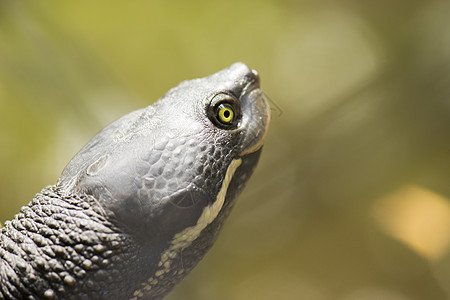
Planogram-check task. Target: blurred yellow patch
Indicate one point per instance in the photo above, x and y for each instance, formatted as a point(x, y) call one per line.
point(417, 217)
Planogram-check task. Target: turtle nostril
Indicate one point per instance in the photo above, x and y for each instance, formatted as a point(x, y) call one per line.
point(256, 77)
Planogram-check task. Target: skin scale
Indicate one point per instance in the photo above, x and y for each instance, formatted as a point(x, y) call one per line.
point(140, 205)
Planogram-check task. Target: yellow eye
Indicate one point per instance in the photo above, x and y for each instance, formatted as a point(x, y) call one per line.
point(225, 113)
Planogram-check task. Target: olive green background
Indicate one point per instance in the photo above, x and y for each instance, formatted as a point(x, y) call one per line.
point(360, 94)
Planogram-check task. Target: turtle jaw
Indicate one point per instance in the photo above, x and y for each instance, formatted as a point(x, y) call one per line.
point(257, 123)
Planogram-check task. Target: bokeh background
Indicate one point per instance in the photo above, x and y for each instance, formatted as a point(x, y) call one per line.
point(351, 197)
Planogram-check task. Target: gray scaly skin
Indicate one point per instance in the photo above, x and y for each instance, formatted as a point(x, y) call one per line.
point(139, 206)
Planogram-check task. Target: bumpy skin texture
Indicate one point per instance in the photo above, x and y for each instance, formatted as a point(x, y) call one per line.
point(60, 241)
point(143, 201)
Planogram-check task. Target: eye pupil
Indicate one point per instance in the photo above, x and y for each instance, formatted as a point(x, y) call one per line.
point(225, 113)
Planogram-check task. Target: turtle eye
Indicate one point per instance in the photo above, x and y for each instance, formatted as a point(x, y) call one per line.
point(225, 113)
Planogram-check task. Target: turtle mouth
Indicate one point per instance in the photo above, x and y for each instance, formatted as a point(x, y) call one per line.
point(257, 133)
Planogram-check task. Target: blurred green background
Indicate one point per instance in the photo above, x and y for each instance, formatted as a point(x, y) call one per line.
point(351, 197)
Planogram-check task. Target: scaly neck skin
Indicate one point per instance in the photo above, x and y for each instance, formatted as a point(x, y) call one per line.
point(62, 247)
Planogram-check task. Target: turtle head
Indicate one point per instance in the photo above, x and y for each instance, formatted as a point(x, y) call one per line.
point(179, 163)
